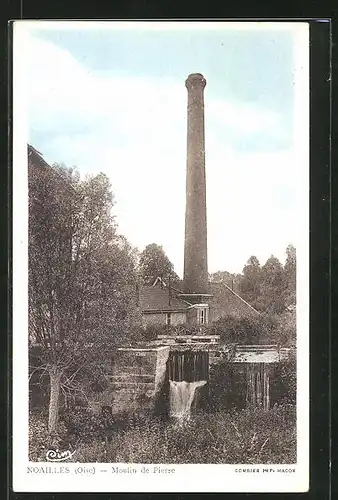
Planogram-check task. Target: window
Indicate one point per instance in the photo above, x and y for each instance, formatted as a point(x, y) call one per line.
point(168, 319)
point(202, 315)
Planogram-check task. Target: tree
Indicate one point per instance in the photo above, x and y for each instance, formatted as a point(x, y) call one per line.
point(250, 284)
point(273, 286)
point(230, 279)
point(82, 278)
point(154, 263)
point(290, 271)
point(286, 326)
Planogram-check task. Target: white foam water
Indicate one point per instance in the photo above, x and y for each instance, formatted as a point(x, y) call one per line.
point(181, 396)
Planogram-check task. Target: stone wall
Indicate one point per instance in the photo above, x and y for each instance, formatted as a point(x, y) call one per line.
point(137, 380)
point(161, 369)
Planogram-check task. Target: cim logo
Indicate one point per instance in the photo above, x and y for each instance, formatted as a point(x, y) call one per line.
point(58, 456)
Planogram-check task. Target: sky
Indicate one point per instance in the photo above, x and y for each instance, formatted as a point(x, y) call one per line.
point(113, 100)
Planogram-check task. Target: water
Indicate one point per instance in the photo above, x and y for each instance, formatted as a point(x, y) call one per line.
point(188, 372)
point(182, 396)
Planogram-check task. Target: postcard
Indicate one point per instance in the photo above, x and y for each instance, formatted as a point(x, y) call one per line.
point(160, 256)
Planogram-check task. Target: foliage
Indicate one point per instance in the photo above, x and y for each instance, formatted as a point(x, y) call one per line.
point(250, 284)
point(285, 329)
point(238, 330)
point(285, 380)
point(264, 329)
point(273, 284)
point(81, 423)
point(270, 288)
point(151, 332)
point(248, 436)
point(232, 280)
point(38, 436)
point(155, 263)
point(290, 271)
point(221, 387)
point(82, 275)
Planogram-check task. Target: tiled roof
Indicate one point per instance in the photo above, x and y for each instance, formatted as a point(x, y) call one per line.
point(225, 299)
point(156, 298)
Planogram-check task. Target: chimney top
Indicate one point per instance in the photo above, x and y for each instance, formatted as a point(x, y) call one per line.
point(194, 80)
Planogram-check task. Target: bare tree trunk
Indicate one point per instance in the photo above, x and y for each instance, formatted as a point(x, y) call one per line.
point(55, 377)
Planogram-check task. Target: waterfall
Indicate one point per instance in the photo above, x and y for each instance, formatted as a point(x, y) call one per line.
point(258, 385)
point(188, 372)
point(182, 396)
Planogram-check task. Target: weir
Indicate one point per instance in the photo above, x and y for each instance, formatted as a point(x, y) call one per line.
point(182, 397)
point(188, 366)
point(188, 371)
point(174, 376)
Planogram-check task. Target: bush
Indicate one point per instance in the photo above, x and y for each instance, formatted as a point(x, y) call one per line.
point(285, 381)
point(238, 330)
point(39, 438)
point(277, 329)
point(252, 435)
point(221, 386)
point(84, 425)
point(264, 329)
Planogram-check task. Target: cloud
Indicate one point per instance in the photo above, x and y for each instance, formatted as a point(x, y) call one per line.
point(243, 118)
point(134, 129)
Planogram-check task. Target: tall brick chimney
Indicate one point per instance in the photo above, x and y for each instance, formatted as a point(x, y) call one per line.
point(195, 246)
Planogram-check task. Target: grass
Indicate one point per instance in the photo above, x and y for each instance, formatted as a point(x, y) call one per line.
point(249, 436)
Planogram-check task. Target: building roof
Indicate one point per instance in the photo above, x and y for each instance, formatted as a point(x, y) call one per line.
point(227, 302)
point(36, 157)
point(155, 299)
point(229, 291)
point(158, 298)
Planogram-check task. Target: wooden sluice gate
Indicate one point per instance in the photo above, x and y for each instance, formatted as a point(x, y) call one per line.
point(188, 366)
point(258, 385)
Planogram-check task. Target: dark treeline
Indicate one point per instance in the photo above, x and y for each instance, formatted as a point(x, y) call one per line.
point(269, 288)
